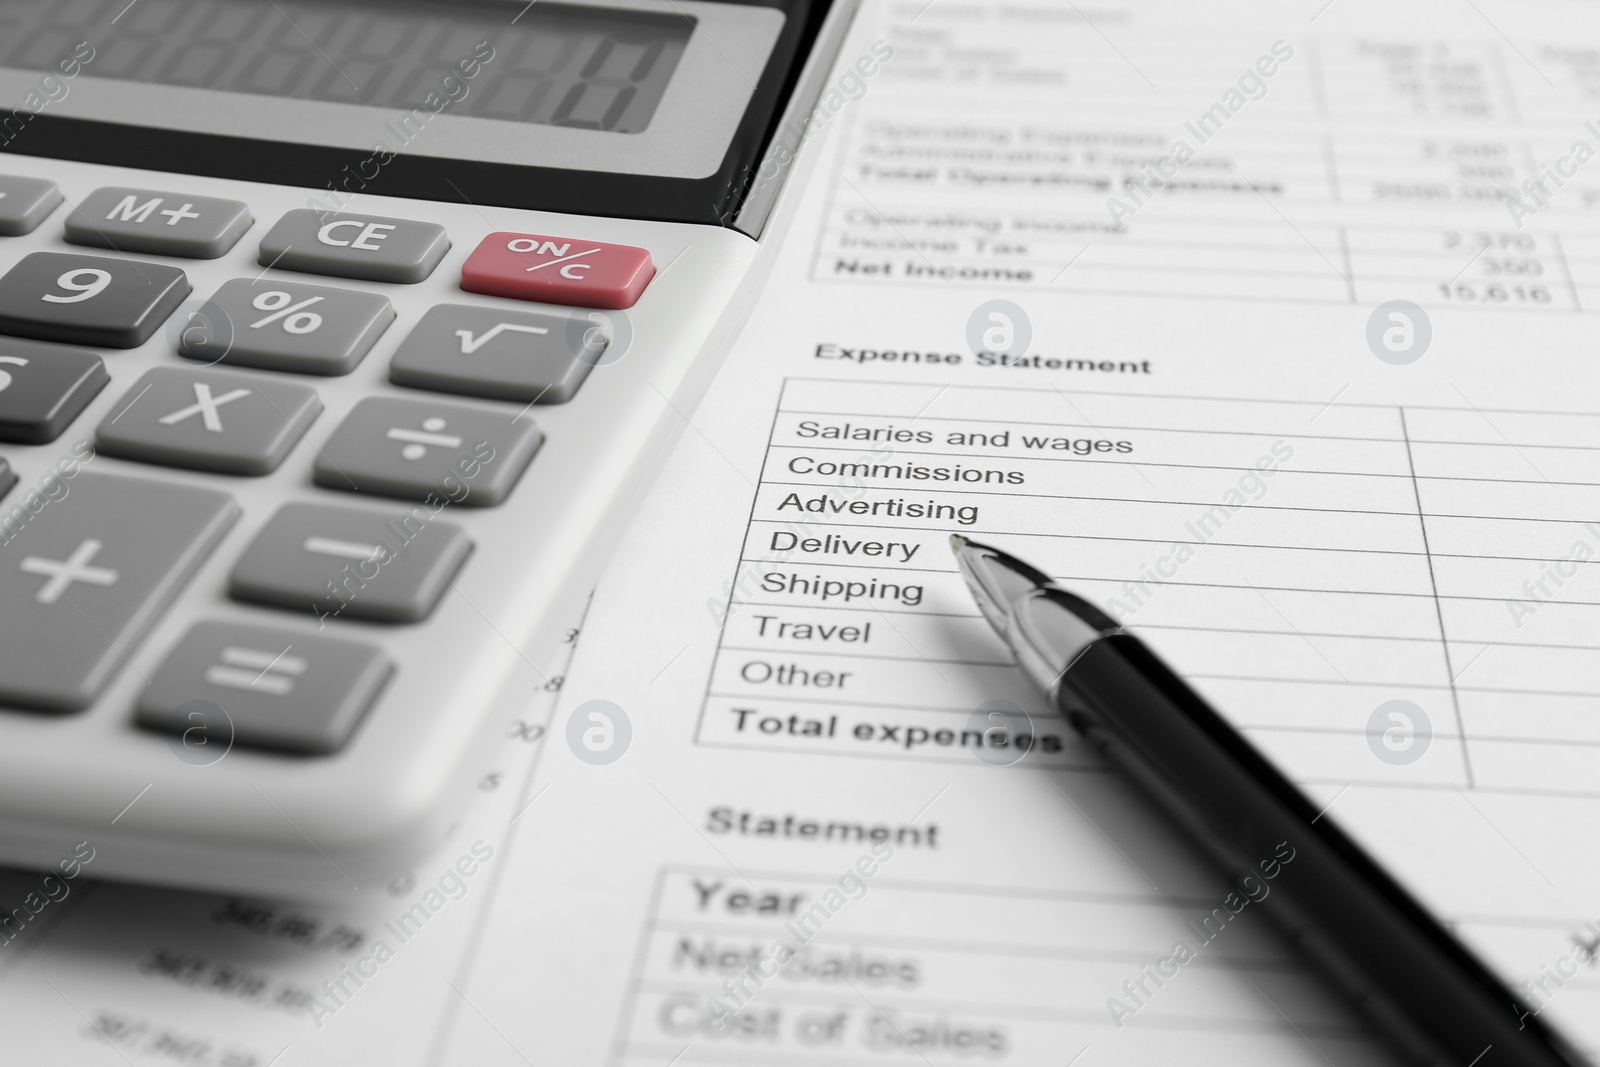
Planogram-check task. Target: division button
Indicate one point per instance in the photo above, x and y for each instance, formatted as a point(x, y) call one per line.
point(24, 203)
point(382, 566)
point(88, 300)
point(43, 388)
point(163, 224)
point(428, 450)
point(83, 579)
point(277, 689)
point(287, 326)
point(558, 270)
point(371, 247)
point(210, 420)
point(529, 357)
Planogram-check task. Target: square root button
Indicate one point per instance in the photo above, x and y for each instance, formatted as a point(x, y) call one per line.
point(534, 357)
point(558, 270)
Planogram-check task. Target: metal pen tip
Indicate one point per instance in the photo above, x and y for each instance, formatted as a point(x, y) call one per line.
point(996, 579)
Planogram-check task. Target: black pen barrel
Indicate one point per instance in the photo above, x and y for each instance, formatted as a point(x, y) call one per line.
point(1431, 995)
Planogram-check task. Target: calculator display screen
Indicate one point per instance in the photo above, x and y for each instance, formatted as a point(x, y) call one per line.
point(549, 64)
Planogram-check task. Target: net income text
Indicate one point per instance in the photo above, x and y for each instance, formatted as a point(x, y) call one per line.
point(910, 268)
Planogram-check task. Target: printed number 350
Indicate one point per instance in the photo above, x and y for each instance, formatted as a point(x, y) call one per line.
point(81, 283)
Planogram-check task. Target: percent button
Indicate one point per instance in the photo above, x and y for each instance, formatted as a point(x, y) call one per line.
point(286, 326)
point(286, 312)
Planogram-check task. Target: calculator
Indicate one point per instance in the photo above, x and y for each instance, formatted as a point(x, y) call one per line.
point(336, 341)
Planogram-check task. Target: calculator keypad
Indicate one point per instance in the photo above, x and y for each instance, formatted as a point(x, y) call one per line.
point(382, 566)
point(209, 420)
point(529, 357)
point(25, 203)
point(371, 247)
point(88, 573)
point(88, 300)
point(43, 388)
point(163, 224)
point(428, 450)
point(286, 326)
point(84, 578)
point(263, 686)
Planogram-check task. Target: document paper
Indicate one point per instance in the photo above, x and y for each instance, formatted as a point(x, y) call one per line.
point(1269, 328)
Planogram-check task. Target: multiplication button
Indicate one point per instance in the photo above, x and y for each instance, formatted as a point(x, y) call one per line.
point(370, 247)
point(88, 300)
point(287, 326)
point(163, 224)
point(210, 420)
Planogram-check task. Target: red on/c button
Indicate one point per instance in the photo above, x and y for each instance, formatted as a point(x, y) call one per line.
point(558, 270)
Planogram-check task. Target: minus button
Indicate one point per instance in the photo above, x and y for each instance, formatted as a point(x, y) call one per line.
point(327, 546)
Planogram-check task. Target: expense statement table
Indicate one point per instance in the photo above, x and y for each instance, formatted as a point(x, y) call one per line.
point(1303, 563)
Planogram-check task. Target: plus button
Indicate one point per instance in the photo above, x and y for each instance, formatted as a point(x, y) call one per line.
point(60, 574)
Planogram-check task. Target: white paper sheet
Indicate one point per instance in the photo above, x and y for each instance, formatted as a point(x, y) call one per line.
point(1368, 539)
point(1307, 530)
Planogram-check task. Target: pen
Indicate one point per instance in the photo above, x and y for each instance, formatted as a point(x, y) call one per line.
point(1429, 993)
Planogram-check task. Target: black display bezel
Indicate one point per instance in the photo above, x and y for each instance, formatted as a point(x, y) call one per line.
point(714, 199)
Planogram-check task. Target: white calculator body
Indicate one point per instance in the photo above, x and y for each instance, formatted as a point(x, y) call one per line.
point(336, 340)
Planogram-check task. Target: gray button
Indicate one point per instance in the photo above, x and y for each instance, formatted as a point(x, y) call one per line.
point(88, 300)
point(209, 420)
point(164, 224)
point(288, 326)
point(525, 356)
point(8, 478)
point(384, 566)
point(24, 203)
point(273, 688)
point(86, 576)
point(354, 246)
point(428, 450)
point(43, 388)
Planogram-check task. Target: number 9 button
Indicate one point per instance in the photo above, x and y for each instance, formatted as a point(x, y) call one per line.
point(286, 326)
point(88, 300)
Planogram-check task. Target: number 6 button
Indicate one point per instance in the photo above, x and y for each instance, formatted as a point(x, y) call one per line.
point(88, 300)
